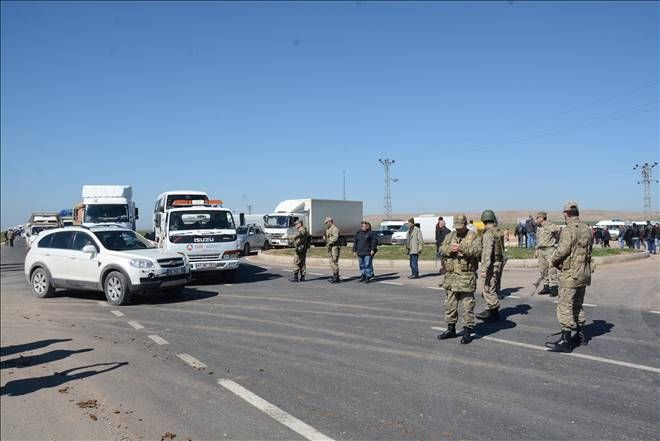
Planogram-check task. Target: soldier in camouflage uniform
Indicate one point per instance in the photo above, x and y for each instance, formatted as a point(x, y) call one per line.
point(331, 237)
point(573, 258)
point(462, 249)
point(546, 242)
point(492, 258)
point(300, 244)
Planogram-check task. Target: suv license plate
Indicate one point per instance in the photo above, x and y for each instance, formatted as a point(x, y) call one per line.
point(205, 265)
point(175, 271)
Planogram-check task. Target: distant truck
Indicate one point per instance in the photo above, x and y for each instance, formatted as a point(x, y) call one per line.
point(280, 229)
point(39, 222)
point(426, 223)
point(199, 228)
point(106, 204)
point(67, 217)
point(391, 225)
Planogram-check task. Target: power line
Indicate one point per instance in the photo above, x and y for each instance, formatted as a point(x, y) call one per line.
point(647, 179)
point(387, 163)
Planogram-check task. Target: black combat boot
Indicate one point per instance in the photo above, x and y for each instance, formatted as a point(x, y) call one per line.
point(335, 278)
point(564, 344)
point(554, 291)
point(545, 290)
point(302, 277)
point(580, 337)
point(294, 278)
point(489, 315)
point(368, 280)
point(467, 336)
point(363, 278)
point(449, 333)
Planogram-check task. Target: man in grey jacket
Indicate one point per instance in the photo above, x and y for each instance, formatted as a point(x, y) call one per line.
point(414, 245)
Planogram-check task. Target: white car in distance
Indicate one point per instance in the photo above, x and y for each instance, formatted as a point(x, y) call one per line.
point(112, 259)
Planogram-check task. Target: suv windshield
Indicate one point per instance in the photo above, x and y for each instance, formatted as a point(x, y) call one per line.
point(201, 220)
point(123, 240)
point(106, 213)
point(277, 222)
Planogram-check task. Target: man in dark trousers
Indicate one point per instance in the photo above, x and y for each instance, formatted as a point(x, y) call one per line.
point(364, 248)
point(441, 232)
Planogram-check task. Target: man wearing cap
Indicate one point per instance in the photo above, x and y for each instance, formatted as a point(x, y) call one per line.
point(300, 245)
point(462, 249)
point(441, 231)
point(573, 258)
point(547, 235)
point(414, 245)
point(492, 258)
point(331, 237)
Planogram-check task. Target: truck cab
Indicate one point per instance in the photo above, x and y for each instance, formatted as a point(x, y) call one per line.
point(203, 231)
point(165, 200)
point(106, 204)
point(280, 227)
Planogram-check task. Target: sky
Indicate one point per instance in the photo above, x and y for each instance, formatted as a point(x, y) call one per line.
point(501, 105)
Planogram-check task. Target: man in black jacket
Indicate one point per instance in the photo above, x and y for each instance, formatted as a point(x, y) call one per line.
point(441, 231)
point(364, 248)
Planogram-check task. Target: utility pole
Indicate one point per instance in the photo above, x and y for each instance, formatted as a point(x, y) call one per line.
point(387, 163)
point(647, 180)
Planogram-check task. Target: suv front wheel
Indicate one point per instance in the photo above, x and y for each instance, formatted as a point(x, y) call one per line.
point(116, 288)
point(41, 286)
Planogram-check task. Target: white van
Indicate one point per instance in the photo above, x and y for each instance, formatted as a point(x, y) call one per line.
point(427, 223)
point(165, 201)
point(391, 225)
point(612, 225)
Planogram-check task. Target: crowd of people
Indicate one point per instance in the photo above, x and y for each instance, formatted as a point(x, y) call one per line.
point(640, 237)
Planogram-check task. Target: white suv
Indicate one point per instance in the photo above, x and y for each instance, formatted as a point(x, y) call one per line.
point(111, 259)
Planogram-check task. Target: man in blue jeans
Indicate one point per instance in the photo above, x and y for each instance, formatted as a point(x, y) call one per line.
point(364, 248)
point(414, 245)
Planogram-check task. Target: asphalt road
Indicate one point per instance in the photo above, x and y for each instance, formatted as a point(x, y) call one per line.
point(313, 360)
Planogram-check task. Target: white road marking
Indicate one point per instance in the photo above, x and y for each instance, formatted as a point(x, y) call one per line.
point(316, 274)
point(103, 303)
point(293, 423)
point(287, 271)
point(654, 312)
point(512, 296)
point(392, 283)
point(228, 284)
point(117, 313)
point(192, 361)
point(135, 325)
point(640, 367)
point(434, 287)
point(158, 339)
point(584, 304)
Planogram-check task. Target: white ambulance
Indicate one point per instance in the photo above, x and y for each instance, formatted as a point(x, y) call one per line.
point(204, 231)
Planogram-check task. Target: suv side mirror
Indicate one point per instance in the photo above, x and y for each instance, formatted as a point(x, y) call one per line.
point(89, 249)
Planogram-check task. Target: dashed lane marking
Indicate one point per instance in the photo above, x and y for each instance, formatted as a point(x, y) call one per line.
point(513, 297)
point(117, 313)
point(640, 367)
point(433, 287)
point(654, 312)
point(103, 303)
point(192, 361)
point(584, 304)
point(316, 274)
point(293, 423)
point(135, 325)
point(392, 283)
point(159, 340)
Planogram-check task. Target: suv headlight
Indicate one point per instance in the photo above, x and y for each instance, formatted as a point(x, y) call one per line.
point(141, 263)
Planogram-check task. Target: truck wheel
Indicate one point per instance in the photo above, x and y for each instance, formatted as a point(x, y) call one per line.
point(116, 288)
point(41, 286)
point(246, 249)
point(266, 246)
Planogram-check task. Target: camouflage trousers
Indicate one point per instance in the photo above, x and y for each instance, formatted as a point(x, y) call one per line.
point(333, 257)
point(548, 271)
point(451, 307)
point(299, 266)
point(569, 308)
point(491, 286)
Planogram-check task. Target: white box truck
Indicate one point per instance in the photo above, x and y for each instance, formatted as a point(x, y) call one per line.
point(279, 225)
point(106, 204)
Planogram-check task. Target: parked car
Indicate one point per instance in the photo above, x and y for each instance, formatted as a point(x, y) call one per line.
point(112, 259)
point(384, 237)
point(251, 237)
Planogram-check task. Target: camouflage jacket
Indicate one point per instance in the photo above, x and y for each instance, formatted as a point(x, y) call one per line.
point(331, 236)
point(492, 248)
point(546, 235)
point(301, 240)
point(573, 255)
point(462, 265)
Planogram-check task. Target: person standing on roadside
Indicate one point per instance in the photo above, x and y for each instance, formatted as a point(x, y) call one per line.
point(520, 234)
point(441, 232)
point(492, 259)
point(547, 234)
point(650, 238)
point(300, 245)
point(573, 259)
point(530, 227)
point(364, 248)
point(7, 238)
point(462, 249)
point(606, 237)
point(622, 236)
point(331, 238)
point(10, 237)
point(656, 235)
point(414, 245)
point(635, 236)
